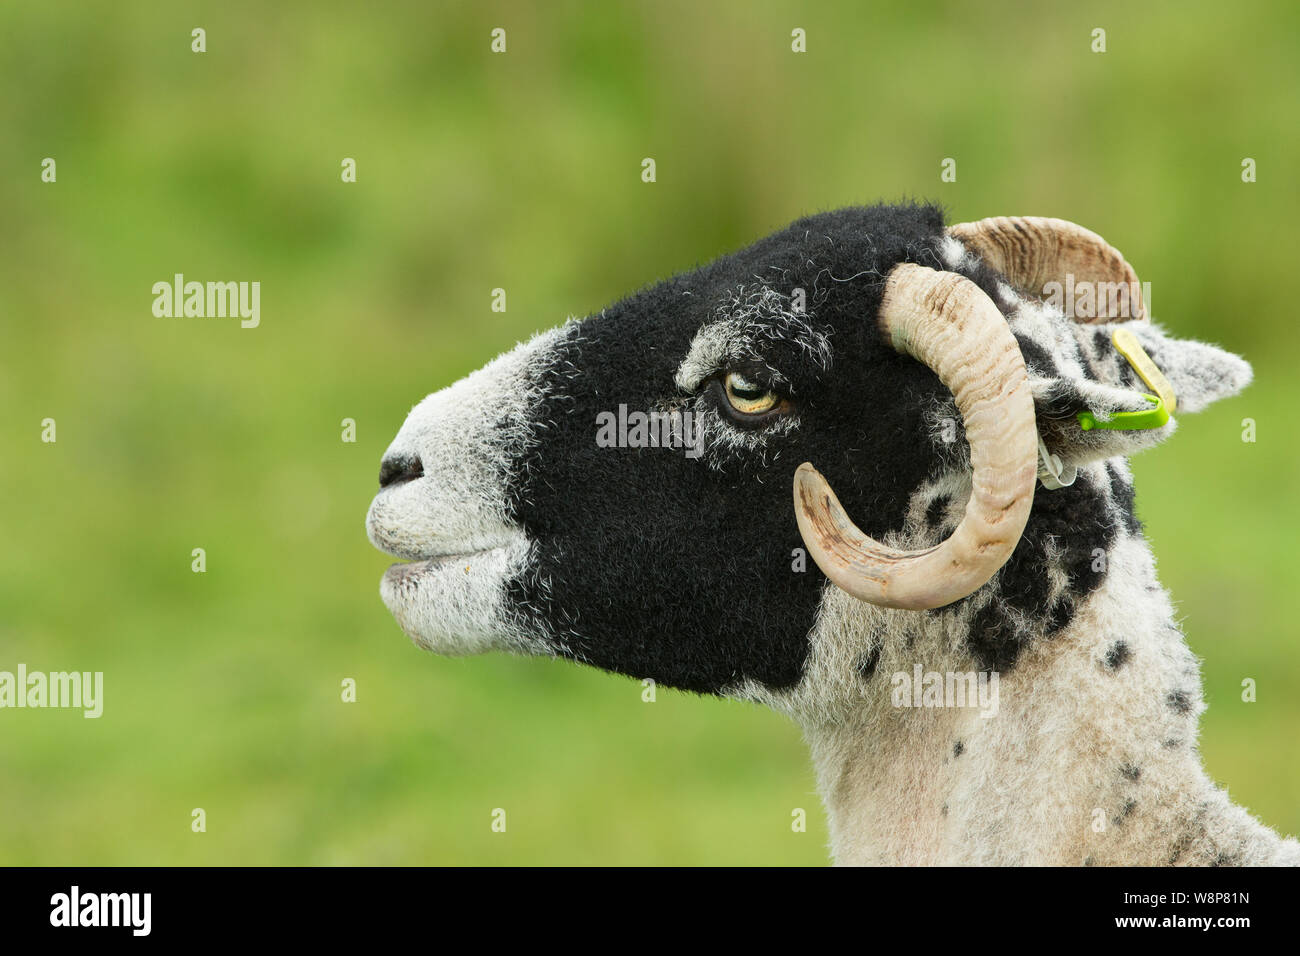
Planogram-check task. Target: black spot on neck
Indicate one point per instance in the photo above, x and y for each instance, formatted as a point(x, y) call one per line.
point(1079, 520)
point(1194, 832)
point(1124, 811)
point(1118, 655)
point(1180, 847)
point(867, 665)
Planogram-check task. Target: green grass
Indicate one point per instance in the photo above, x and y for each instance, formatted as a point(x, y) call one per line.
point(522, 171)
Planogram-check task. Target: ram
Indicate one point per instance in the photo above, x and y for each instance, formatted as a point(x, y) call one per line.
point(957, 448)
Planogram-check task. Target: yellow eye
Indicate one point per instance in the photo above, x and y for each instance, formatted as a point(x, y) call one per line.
point(748, 398)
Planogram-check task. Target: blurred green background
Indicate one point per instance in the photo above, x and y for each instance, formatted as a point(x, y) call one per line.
point(522, 171)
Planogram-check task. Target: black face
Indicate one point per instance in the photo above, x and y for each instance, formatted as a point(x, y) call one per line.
point(656, 564)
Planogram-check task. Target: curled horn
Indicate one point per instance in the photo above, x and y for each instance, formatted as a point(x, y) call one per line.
point(1032, 251)
point(946, 322)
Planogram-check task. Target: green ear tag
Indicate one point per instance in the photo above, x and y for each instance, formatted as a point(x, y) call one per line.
point(1152, 417)
point(1163, 403)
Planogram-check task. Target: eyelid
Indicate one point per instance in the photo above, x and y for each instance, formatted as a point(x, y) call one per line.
point(756, 373)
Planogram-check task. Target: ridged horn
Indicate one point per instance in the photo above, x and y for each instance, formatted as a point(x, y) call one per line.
point(1032, 251)
point(946, 322)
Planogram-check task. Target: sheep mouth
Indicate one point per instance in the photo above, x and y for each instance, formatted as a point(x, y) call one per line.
point(408, 571)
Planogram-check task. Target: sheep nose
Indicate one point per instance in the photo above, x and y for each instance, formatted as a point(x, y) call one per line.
point(400, 468)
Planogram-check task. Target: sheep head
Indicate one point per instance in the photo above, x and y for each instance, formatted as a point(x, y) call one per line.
point(618, 490)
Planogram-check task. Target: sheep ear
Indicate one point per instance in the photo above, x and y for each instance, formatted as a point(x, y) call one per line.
point(1200, 374)
point(1197, 375)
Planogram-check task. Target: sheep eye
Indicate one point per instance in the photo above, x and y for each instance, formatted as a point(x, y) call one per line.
point(747, 397)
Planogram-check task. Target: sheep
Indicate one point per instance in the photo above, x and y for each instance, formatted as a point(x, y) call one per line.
point(863, 372)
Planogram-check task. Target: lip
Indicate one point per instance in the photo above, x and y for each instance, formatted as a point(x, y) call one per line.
point(405, 572)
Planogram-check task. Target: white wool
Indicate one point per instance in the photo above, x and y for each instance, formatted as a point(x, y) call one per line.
point(465, 435)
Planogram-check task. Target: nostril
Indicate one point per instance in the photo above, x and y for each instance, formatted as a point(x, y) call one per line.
point(394, 471)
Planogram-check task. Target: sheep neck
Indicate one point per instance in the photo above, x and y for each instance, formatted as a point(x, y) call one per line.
point(1089, 758)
